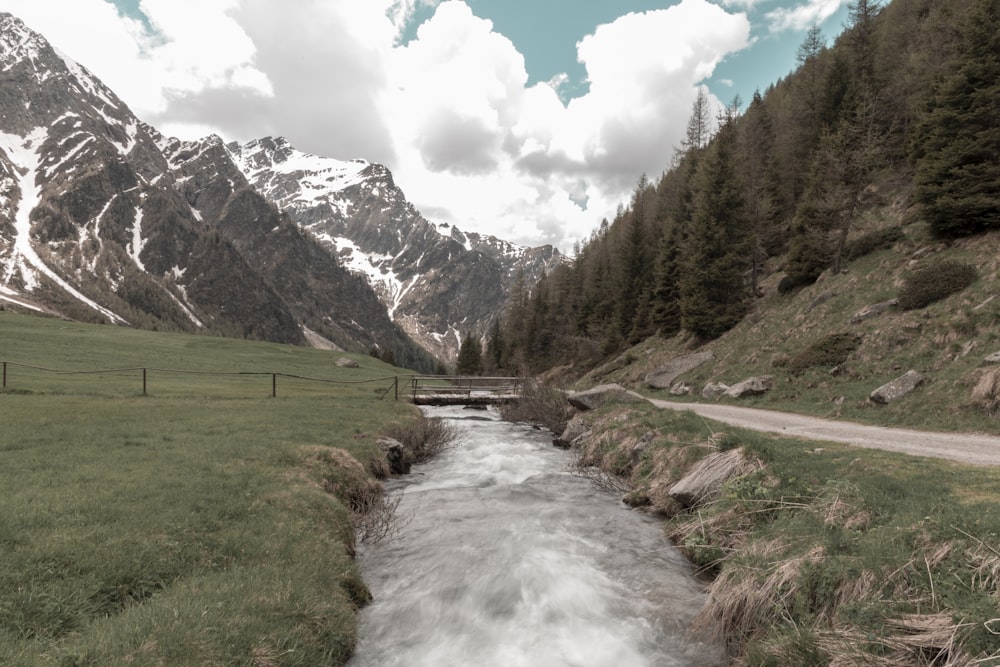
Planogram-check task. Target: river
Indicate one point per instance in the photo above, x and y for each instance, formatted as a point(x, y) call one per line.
point(504, 558)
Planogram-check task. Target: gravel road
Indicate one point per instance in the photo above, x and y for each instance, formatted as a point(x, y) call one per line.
point(976, 449)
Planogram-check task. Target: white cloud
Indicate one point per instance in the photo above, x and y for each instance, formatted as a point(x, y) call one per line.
point(803, 16)
point(450, 112)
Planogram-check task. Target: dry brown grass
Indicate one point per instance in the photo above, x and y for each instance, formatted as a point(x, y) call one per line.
point(742, 602)
point(917, 640)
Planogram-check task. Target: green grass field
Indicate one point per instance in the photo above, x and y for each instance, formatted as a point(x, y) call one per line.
point(190, 525)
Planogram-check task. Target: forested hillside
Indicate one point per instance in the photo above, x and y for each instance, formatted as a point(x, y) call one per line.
point(894, 126)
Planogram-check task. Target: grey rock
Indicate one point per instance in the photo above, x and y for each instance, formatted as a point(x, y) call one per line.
point(704, 481)
point(400, 458)
point(714, 390)
point(993, 358)
point(344, 362)
point(575, 430)
point(873, 310)
point(898, 388)
point(680, 389)
point(664, 376)
point(754, 386)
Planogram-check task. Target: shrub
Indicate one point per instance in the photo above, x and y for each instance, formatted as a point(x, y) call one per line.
point(424, 437)
point(540, 405)
point(935, 282)
point(827, 351)
point(880, 239)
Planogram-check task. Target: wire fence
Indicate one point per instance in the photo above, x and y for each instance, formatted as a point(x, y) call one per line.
point(27, 378)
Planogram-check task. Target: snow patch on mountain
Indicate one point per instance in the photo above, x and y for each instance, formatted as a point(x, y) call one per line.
point(24, 154)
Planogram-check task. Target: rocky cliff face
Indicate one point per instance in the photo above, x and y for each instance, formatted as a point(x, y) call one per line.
point(434, 280)
point(104, 219)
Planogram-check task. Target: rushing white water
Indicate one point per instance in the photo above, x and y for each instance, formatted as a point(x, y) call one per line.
point(509, 560)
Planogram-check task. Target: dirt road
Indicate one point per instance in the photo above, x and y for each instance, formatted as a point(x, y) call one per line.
point(964, 447)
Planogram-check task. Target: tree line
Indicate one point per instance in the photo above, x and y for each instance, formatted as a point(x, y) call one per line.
point(908, 94)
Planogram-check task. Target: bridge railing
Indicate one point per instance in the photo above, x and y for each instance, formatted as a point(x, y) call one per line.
point(456, 388)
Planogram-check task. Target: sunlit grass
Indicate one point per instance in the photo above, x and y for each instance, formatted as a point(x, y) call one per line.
point(186, 526)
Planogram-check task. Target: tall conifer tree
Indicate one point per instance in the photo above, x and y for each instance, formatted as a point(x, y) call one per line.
point(958, 141)
point(713, 287)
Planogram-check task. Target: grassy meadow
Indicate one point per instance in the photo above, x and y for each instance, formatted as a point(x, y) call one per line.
point(200, 523)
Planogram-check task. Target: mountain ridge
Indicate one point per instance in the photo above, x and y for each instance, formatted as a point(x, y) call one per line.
point(104, 218)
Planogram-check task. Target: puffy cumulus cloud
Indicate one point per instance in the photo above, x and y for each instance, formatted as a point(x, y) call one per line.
point(450, 112)
point(326, 62)
point(486, 153)
point(455, 90)
point(644, 71)
point(803, 16)
point(401, 12)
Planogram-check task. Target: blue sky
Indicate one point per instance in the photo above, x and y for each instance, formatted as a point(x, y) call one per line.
point(528, 119)
point(546, 32)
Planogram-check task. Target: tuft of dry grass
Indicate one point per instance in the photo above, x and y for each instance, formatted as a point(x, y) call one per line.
point(741, 602)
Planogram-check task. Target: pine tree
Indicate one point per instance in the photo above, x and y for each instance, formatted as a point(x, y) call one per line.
point(760, 183)
point(665, 313)
point(470, 356)
point(699, 127)
point(634, 260)
point(958, 138)
point(713, 288)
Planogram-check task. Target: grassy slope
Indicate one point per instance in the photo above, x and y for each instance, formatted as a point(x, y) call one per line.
point(825, 554)
point(945, 341)
point(189, 526)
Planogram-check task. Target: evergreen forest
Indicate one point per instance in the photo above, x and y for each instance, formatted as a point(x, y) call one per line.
point(905, 101)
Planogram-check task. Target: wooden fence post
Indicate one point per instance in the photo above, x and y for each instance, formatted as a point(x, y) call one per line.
point(143, 381)
point(5, 375)
point(274, 385)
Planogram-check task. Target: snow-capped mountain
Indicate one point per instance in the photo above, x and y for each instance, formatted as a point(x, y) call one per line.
point(435, 281)
point(104, 219)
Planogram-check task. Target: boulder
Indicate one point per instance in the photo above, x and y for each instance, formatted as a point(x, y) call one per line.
point(754, 386)
point(601, 395)
point(344, 362)
point(576, 428)
point(680, 389)
point(664, 376)
point(400, 458)
point(874, 310)
point(992, 359)
point(714, 390)
point(704, 482)
point(898, 388)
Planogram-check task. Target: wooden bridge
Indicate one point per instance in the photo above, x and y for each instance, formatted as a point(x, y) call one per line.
point(461, 389)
